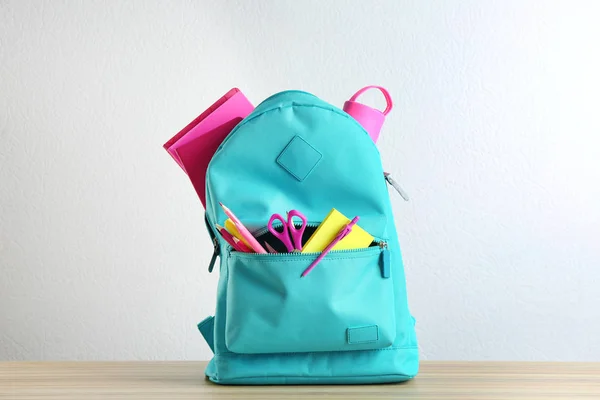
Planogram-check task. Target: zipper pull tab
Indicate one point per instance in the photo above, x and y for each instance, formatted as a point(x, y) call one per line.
point(395, 185)
point(385, 261)
point(216, 252)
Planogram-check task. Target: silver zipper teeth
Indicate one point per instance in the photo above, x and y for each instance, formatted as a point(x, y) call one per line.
point(257, 234)
point(380, 243)
point(370, 248)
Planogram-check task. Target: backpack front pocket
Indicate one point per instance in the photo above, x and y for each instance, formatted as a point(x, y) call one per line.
point(345, 303)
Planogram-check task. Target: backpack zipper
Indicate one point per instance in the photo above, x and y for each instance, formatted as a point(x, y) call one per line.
point(395, 185)
point(216, 252)
point(313, 253)
point(257, 234)
point(384, 263)
point(385, 260)
point(215, 241)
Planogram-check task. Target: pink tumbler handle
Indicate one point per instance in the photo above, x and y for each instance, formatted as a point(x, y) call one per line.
point(388, 98)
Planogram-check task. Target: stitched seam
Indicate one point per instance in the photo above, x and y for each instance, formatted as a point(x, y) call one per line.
point(309, 378)
point(293, 104)
point(228, 353)
point(289, 170)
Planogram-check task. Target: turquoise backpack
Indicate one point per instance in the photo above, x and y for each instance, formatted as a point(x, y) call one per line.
point(347, 321)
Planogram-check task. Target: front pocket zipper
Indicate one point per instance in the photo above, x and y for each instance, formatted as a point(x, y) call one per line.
point(375, 247)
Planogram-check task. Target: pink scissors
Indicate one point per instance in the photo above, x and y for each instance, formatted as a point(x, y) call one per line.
point(289, 235)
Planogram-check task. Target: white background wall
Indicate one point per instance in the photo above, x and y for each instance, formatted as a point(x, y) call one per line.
point(495, 134)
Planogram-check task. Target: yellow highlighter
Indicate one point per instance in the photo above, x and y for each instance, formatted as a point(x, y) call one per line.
point(230, 226)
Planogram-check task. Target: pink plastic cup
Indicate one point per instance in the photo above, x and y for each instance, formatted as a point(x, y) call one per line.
point(370, 118)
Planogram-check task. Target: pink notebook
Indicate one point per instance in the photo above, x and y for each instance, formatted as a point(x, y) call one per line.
point(203, 135)
point(196, 154)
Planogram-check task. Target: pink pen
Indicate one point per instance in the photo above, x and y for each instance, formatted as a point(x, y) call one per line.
point(342, 234)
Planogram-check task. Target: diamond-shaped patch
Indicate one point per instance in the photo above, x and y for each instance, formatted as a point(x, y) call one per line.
point(299, 158)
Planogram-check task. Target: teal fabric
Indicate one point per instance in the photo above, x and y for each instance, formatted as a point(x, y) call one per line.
point(207, 329)
point(347, 321)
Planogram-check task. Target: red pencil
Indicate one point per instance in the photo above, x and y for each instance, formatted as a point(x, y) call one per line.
point(242, 245)
point(229, 238)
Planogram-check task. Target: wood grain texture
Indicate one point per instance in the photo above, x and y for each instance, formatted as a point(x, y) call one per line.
point(185, 380)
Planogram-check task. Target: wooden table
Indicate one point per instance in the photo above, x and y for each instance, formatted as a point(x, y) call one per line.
point(185, 380)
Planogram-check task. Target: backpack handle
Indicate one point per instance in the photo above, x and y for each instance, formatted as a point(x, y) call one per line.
point(386, 94)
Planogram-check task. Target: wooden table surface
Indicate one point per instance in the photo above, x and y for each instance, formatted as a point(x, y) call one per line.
point(185, 380)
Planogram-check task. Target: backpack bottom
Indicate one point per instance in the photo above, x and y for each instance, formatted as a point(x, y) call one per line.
point(325, 368)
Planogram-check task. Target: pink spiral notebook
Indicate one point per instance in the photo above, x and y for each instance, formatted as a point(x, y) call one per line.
point(193, 147)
